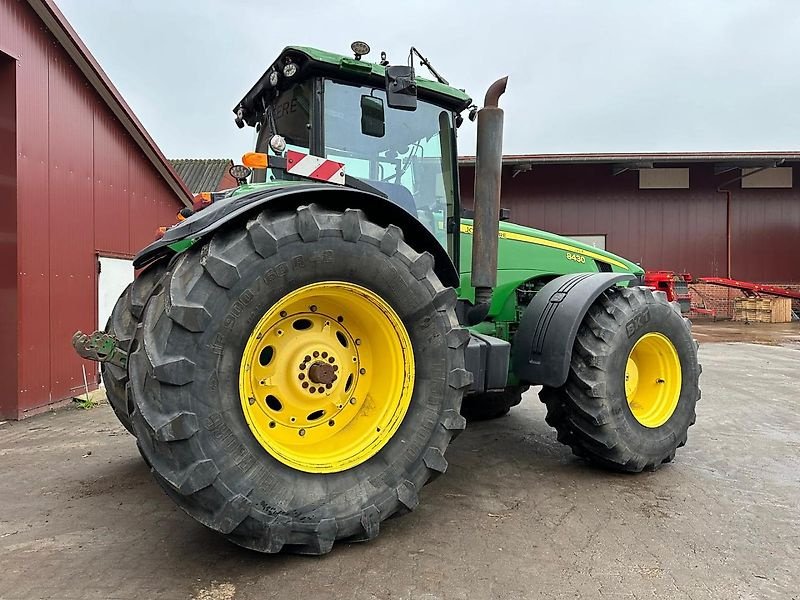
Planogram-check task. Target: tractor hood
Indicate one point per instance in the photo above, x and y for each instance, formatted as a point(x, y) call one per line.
point(539, 240)
point(528, 235)
point(525, 255)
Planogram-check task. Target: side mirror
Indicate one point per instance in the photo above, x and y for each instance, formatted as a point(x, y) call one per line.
point(373, 121)
point(401, 87)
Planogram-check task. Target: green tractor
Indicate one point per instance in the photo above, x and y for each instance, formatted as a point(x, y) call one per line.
point(295, 358)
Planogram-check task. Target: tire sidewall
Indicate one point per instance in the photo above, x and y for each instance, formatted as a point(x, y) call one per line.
point(225, 437)
point(653, 317)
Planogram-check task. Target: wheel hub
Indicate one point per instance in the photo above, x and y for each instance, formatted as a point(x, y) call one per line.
point(653, 380)
point(307, 384)
point(322, 373)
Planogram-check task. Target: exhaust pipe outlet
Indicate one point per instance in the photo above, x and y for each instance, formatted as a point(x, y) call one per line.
point(486, 224)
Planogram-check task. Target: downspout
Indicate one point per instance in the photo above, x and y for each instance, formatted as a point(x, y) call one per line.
point(722, 189)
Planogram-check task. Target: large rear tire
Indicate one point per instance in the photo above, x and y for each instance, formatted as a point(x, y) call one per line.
point(630, 396)
point(221, 441)
point(122, 325)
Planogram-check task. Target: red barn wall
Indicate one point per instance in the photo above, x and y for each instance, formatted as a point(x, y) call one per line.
point(8, 233)
point(83, 188)
point(682, 230)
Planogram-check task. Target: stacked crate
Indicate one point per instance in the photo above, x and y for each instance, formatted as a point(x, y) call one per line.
point(762, 310)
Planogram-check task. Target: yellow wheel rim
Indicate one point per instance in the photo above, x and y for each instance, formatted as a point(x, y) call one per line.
point(653, 379)
point(326, 377)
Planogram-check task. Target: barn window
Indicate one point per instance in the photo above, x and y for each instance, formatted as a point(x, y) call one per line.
point(775, 177)
point(664, 179)
point(598, 241)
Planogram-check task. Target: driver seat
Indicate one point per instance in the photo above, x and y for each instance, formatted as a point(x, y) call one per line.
point(396, 193)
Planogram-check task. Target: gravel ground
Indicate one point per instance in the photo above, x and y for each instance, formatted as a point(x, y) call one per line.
point(516, 516)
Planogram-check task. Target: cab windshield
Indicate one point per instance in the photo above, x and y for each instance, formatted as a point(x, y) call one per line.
point(412, 162)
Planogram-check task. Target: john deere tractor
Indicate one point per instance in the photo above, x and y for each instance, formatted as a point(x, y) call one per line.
point(295, 358)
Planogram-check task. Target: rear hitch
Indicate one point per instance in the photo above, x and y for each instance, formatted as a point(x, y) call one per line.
point(100, 347)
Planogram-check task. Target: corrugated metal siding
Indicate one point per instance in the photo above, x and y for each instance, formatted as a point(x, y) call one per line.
point(71, 219)
point(33, 193)
point(147, 194)
point(112, 218)
point(83, 187)
point(203, 174)
point(680, 230)
point(765, 227)
point(8, 234)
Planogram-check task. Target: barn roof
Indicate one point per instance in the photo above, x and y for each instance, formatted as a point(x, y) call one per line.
point(202, 174)
point(744, 158)
point(63, 32)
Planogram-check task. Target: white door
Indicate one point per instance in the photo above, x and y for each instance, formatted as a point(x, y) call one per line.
point(115, 275)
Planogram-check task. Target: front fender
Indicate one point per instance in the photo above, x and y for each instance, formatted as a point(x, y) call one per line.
point(542, 346)
point(378, 209)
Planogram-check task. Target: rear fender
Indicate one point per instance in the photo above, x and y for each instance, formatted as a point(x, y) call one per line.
point(378, 209)
point(542, 347)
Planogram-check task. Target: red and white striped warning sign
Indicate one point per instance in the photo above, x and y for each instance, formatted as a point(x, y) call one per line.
point(314, 167)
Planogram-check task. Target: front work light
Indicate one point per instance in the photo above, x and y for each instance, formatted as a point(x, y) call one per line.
point(359, 49)
point(289, 69)
point(240, 172)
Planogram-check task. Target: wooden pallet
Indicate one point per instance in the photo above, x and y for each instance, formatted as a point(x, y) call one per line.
point(762, 310)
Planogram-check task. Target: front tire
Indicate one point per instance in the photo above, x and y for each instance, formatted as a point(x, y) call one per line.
point(632, 387)
point(193, 416)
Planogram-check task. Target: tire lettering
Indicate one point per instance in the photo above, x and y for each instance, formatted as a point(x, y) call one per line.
point(242, 457)
point(280, 270)
point(639, 321)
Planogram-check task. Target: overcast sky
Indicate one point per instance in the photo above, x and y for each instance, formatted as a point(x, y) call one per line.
point(585, 76)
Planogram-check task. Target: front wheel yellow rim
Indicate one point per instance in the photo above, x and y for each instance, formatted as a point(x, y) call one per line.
point(653, 380)
point(326, 377)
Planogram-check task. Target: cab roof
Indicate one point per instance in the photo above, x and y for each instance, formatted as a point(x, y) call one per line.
point(313, 62)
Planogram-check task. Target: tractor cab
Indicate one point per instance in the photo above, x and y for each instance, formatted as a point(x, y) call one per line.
point(391, 130)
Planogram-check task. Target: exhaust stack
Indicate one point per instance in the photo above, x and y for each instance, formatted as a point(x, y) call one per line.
point(486, 225)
